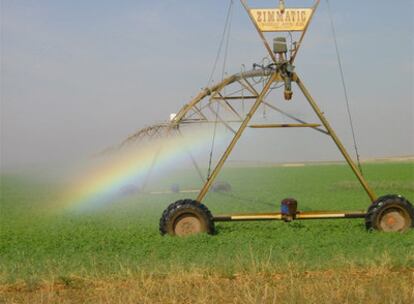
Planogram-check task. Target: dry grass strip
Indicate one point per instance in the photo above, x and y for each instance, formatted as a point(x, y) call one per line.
point(353, 285)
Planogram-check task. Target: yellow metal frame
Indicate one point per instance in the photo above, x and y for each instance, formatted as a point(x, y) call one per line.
point(276, 76)
point(273, 78)
point(263, 38)
point(198, 110)
point(279, 216)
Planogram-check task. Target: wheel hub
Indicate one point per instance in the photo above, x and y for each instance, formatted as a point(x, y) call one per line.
point(393, 220)
point(187, 224)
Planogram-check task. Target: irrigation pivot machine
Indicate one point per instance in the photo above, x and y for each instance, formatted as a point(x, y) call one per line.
point(190, 216)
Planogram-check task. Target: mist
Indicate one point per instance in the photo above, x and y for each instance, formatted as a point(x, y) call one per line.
point(81, 76)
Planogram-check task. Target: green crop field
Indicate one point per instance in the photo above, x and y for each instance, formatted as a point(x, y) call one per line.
point(40, 244)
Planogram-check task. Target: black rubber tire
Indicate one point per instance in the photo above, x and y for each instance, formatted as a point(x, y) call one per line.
point(186, 207)
point(221, 187)
point(384, 203)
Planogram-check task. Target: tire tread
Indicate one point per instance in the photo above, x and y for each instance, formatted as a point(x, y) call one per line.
point(381, 203)
point(191, 204)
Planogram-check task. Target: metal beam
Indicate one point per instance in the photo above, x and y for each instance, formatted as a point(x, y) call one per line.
point(335, 138)
point(218, 118)
point(229, 106)
point(307, 125)
point(292, 117)
point(298, 45)
point(236, 137)
point(262, 37)
point(308, 215)
point(197, 121)
point(235, 97)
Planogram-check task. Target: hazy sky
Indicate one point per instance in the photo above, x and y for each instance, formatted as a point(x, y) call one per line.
point(77, 76)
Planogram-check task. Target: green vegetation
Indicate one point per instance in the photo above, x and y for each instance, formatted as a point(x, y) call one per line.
point(40, 242)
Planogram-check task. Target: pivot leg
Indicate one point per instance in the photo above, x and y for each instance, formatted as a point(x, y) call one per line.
point(236, 137)
point(335, 138)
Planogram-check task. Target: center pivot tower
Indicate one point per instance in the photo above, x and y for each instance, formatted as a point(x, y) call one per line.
point(189, 216)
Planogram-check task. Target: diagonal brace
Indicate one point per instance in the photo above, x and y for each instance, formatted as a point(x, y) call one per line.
point(236, 137)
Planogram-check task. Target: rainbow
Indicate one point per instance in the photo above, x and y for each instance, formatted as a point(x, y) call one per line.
point(102, 183)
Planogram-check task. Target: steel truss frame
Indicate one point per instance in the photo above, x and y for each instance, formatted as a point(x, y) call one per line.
point(201, 110)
